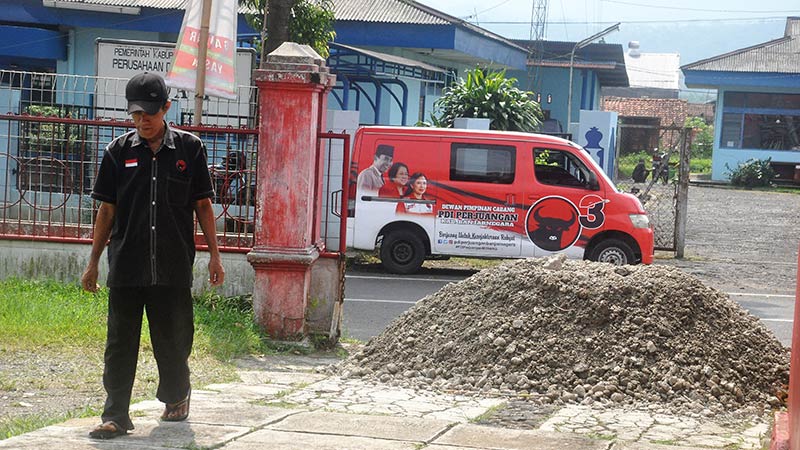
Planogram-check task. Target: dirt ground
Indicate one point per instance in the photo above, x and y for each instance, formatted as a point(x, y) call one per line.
point(736, 240)
point(741, 240)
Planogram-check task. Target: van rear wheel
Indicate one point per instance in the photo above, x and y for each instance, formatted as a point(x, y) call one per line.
point(613, 251)
point(402, 252)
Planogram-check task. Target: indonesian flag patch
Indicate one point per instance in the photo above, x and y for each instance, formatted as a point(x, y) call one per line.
point(131, 162)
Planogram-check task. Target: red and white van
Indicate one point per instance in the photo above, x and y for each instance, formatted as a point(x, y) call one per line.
point(426, 192)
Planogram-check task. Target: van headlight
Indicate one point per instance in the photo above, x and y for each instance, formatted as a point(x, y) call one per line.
point(640, 220)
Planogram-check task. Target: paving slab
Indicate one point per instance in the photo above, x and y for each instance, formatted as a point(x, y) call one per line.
point(212, 408)
point(478, 436)
point(249, 391)
point(643, 446)
point(283, 440)
point(411, 429)
point(149, 434)
point(452, 447)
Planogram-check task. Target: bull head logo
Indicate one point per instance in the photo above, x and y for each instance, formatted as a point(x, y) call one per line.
point(549, 231)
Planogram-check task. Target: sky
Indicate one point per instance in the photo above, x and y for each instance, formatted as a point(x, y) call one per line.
point(696, 29)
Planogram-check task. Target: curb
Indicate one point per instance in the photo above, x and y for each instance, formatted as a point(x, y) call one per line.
point(780, 432)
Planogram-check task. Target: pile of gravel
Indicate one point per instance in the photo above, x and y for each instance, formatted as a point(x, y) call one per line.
point(575, 331)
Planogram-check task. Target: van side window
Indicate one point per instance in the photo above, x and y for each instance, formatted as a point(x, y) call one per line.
point(560, 168)
point(483, 163)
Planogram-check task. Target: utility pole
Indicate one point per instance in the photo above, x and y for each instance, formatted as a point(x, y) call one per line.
point(536, 47)
point(202, 55)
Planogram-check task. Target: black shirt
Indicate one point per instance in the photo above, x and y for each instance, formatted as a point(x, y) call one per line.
point(152, 240)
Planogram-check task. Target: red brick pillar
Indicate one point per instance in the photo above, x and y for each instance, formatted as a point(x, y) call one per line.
point(291, 89)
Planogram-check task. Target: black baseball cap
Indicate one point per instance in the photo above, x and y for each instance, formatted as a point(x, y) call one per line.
point(146, 92)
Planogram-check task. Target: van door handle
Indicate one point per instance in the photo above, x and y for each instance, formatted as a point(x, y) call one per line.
point(509, 199)
point(336, 197)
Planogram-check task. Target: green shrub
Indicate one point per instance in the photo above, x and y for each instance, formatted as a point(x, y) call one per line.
point(488, 94)
point(700, 165)
point(752, 173)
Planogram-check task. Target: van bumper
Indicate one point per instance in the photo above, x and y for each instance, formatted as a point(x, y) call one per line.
point(644, 237)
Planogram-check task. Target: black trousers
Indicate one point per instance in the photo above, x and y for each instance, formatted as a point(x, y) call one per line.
point(171, 318)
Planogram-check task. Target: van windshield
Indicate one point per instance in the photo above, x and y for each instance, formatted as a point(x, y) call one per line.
point(597, 170)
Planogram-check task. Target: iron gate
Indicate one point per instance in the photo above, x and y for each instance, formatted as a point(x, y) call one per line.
point(665, 190)
point(54, 129)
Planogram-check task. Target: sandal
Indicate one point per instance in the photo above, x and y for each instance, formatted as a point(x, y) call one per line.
point(107, 430)
point(178, 411)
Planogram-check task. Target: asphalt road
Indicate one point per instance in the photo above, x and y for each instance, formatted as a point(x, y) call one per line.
point(373, 300)
point(775, 311)
point(741, 242)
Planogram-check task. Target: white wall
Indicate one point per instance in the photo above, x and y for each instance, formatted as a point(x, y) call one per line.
point(66, 262)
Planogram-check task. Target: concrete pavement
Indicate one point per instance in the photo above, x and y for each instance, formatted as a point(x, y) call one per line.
point(285, 402)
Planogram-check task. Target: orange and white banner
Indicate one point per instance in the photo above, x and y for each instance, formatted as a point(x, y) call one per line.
point(220, 61)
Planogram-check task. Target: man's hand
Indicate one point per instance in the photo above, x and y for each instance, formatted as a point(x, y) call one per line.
point(205, 217)
point(89, 279)
point(216, 273)
point(102, 230)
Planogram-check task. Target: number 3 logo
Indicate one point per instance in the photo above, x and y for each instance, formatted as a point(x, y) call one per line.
point(592, 215)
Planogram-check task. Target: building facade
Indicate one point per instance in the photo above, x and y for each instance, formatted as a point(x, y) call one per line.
point(758, 103)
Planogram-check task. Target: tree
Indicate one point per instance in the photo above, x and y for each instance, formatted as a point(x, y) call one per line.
point(276, 24)
point(488, 94)
point(303, 21)
point(703, 139)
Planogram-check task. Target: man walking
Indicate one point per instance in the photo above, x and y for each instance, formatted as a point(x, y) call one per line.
point(151, 183)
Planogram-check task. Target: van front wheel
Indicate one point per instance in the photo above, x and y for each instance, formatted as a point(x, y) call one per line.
point(402, 252)
point(612, 251)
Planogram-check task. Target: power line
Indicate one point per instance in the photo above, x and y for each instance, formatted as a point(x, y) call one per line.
point(678, 8)
point(665, 21)
point(475, 15)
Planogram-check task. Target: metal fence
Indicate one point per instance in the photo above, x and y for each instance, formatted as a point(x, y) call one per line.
point(54, 129)
point(663, 193)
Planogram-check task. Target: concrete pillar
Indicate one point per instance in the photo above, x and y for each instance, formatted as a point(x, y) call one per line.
point(291, 89)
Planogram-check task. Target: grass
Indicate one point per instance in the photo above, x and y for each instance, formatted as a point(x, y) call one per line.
point(628, 162)
point(488, 413)
point(42, 314)
point(20, 425)
point(36, 314)
point(62, 323)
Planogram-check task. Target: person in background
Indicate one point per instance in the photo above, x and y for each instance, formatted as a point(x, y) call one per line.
point(660, 166)
point(398, 178)
point(152, 183)
point(417, 186)
point(639, 172)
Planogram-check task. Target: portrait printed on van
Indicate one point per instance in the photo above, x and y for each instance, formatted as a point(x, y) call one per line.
point(398, 181)
point(370, 180)
point(415, 192)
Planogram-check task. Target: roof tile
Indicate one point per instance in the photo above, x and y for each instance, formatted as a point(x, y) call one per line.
point(671, 111)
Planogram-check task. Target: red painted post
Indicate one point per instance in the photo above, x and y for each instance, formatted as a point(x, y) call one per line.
point(794, 371)
point(786, 428)
point(290, 87)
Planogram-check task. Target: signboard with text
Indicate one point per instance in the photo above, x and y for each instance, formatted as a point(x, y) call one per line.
point(123, 59)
